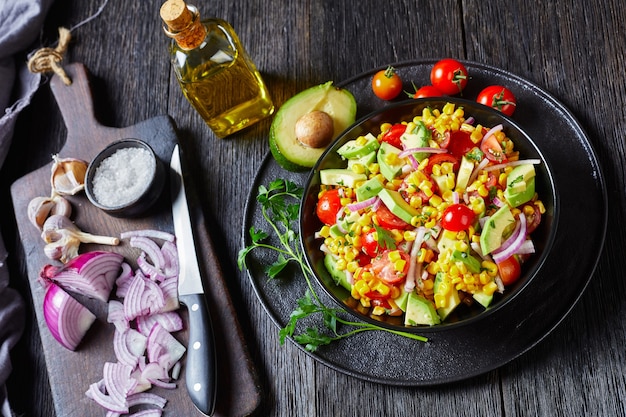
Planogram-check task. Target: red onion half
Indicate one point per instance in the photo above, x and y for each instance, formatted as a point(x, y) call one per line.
point(92, 274)
point(67, 319)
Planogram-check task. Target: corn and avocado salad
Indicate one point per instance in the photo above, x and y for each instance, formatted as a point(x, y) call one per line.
point(429, 214)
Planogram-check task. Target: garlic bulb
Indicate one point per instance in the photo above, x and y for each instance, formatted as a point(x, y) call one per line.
point(68, 175)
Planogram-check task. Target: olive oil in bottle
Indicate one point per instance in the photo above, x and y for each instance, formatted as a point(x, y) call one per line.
point(214, 71)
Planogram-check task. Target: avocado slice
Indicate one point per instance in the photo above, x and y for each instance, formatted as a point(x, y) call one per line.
point(341, 176)
point(494, 228)
point(397, 205)
point(287, 150)
point(420, 311)
point(452, 300)
point(389, 170)
point(369, 189)
point(520, 185)
point(338, 276)
point(359, 147)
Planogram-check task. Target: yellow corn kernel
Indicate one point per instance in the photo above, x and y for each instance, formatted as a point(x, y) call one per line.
point(361, 140)
point(502, 179)
point(378, 311)
point(490, 267)
point(352, 266)
point(433, 268)
point(325, 231)
point(436, 169)
point(409, 235)
point(541, 207)
point(435, 201)
point(428, 284)
point(358, 168)
point(341, 264)
point(365, 302)
point(423, 164)
point(430, 223)
point(394, 255)
point(385, 127)
point(484, 278)
point(440, 301)
point(381, 288)
point(483, 191)
point(361, 287)
point(410, 127)
point(394, 292)
point(392, 158)
point(448, 109)
point(447, 167)
point(490, 288)
point(415, 201)
point(451, 180)
point(461, 245)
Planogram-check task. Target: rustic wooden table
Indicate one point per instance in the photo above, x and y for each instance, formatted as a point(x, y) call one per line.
point(574, 50)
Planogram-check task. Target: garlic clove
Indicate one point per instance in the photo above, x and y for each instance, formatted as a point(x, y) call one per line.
point(39, 209)
point(61, 206)
point(68, 175)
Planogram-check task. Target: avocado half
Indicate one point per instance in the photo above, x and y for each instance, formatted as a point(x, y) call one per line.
point(286, 149)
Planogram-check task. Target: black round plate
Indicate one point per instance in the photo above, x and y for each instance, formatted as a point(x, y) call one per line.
point(483, 345)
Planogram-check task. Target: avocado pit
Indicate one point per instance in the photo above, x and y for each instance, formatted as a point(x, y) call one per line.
point(315, 129)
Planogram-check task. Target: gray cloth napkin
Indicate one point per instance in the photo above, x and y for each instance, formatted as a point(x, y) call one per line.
point(20, 23)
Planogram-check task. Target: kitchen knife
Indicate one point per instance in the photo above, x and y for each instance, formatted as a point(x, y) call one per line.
point(200, 369)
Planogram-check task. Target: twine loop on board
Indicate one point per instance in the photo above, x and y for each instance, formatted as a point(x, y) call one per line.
point(49, 59)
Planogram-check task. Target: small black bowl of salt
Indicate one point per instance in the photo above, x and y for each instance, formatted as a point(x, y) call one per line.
point(125, 179)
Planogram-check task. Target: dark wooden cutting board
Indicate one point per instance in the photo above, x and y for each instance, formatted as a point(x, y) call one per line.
point(71, 373)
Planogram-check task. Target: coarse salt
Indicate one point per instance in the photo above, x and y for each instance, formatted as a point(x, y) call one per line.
point(123, 176)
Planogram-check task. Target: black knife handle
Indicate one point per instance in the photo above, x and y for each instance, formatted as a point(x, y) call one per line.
point(200, 370)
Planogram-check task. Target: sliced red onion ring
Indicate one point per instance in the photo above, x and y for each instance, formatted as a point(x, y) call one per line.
point(513, 243)
point(413, 271)
point(493, 130)
point(362, 204)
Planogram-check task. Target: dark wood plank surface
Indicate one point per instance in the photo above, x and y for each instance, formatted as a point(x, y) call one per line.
point(575, 51)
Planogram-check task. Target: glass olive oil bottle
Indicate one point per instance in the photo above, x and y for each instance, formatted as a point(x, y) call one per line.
point(214, 71)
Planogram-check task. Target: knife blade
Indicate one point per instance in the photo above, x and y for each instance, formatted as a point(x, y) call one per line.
point(200, 370)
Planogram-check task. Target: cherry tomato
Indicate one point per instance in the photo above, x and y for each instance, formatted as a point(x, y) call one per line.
point(386, 84)
point(439, 159)
point(370, 243)
point(386, 270)
point(457, 217)
point(449, 76)
point(388, 220)
point(510, 270)
point(426, 91)
point(392, 136)
point(328, 206)
point(492, 149)
point(498, 97)
point(460, 143)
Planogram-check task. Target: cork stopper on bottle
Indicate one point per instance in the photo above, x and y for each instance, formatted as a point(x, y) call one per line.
point(176, 15)
point(182, 22)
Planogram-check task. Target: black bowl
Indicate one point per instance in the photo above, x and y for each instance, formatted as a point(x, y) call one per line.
point(543, 236)
point(133, 194)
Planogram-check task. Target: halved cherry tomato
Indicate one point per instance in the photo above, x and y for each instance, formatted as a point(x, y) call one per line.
point(370, 243)
point(510, 270)
point(498, 97)
point(328, 206)
point(460, 143)
point(449, 76)
point(457, 217)
point(426, 91)
point(388, 220)
point(392, 136)
point(386, 84)
point(386, 270)
point(492, 149)
point(438, 159)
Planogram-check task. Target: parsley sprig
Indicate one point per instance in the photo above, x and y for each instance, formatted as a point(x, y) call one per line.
point(279, 203)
